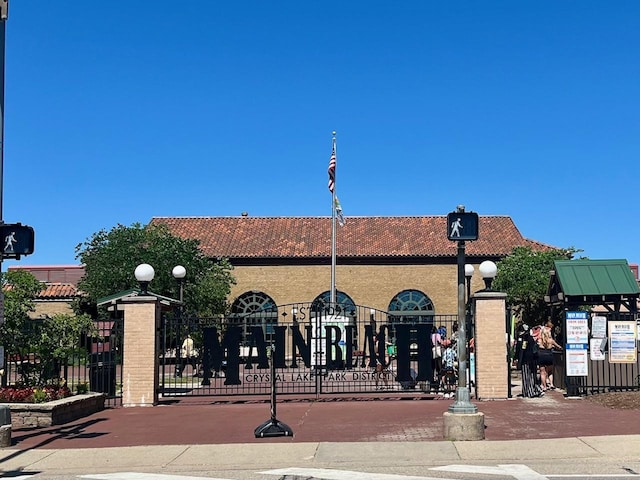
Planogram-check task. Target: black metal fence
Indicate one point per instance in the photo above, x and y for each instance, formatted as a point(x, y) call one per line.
point(94, 364)
point(317, 350)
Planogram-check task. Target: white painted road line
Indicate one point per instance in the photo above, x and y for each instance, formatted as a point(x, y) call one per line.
point(519, 472)
point(330, 474)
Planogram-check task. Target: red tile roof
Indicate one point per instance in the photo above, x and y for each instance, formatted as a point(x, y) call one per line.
point(59, 291)
point(310, 237)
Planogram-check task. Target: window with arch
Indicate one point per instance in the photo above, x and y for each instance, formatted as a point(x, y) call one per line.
point(254, 308)
point(411, 301)
point(412, 307)
point(344, 303)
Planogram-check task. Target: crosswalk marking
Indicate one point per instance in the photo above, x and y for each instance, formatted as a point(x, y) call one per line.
point(519, 472)
point(330, 474)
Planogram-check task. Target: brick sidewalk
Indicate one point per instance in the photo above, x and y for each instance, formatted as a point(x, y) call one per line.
point(186, 422)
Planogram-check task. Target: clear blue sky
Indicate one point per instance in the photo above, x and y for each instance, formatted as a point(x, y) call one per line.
point(117, 112)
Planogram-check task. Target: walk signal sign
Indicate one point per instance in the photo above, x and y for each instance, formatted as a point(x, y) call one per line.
point(462, 226)
point(17, 240)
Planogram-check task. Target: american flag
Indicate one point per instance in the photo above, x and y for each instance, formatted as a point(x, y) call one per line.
point(332, 171)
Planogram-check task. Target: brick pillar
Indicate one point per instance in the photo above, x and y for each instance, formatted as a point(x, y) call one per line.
point(140, 360)
point(490, 345)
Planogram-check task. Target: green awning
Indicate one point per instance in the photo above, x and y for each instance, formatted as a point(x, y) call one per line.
point(596, 277)
point(592, 282)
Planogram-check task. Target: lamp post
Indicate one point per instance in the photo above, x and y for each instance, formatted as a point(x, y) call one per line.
point(144, 274)
point(468, 273)
point(179, 272)
point(488, 270)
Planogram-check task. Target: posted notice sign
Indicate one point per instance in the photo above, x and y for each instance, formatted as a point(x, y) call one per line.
point(577, 346)
point(622, 341)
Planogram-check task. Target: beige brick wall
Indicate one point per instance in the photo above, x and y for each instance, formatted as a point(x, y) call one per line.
point(372, 286)
point(490, 345)
point(140, 362)
point(50, 308)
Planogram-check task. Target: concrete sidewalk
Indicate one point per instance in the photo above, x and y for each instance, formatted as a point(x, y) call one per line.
point(369, 434)
point(401, 457)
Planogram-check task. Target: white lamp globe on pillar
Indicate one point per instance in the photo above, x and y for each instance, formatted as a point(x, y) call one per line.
point(144, 274)
point(488, 270)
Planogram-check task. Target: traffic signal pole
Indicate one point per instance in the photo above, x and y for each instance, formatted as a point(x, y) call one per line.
point(5, 412)
point(4, 14)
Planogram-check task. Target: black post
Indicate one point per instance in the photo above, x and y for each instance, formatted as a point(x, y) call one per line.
point(463, 398)
point(5, 412)
point(273, 427)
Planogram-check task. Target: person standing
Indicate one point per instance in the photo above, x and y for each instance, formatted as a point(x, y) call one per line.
point(526, 348)
point(546, 345)
point(436, 355)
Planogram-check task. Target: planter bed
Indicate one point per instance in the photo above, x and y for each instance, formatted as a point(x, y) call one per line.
point(56, 412)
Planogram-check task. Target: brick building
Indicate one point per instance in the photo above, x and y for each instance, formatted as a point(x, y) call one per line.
point(387, 263)
point(60, 287)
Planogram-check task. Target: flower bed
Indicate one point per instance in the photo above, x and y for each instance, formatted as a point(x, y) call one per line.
point(33, 394)
point(55, 412)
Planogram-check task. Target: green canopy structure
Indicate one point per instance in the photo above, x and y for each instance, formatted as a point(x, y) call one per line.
point(609, 283)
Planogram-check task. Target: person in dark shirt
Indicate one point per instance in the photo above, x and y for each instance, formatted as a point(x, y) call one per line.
point(526, 353)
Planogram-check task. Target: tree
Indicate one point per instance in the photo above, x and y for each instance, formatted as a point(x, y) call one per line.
point(41, 346)
point(110, 258)
point(524, 276)
point(20, 289)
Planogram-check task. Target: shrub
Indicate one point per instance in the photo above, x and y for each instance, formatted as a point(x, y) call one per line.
point(82, 388)
point(33, 395)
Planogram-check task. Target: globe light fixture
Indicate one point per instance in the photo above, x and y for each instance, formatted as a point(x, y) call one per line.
point(144, 274)
point(488, 270)
point(179, 272)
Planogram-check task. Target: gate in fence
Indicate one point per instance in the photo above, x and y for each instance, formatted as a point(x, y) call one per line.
point(317, 349)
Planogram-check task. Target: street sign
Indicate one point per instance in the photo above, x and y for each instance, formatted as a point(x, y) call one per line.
point(462, 226)
point(17, 240)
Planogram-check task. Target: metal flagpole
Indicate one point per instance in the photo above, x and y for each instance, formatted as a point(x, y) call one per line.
point(333, 220)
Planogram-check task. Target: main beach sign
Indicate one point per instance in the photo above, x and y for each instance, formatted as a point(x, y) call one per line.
point(317, 344)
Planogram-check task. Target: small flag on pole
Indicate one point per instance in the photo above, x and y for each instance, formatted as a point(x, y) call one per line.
point(339, 214)
point(332, 171)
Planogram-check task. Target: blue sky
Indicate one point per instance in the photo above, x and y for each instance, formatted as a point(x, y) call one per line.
point(117, 112)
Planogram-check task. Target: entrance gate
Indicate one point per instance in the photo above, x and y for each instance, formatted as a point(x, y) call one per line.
point(317, 349)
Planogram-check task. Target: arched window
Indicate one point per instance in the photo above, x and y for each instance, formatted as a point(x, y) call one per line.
point(411, 301)
point(252, 302)
point(344, 303)
point(412, 307)
point(254, 308)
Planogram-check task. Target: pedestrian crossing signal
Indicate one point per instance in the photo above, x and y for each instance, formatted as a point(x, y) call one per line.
point(462, 226)
point(17, 240)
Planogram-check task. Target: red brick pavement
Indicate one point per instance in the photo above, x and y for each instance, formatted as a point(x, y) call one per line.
point(186, 422)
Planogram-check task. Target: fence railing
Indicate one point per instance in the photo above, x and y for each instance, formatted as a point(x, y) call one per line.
point(93, 364)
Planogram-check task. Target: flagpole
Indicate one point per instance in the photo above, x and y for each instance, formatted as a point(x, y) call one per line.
point(333, 231)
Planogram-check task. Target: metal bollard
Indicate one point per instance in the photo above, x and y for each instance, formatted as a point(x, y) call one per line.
point(5, 426)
